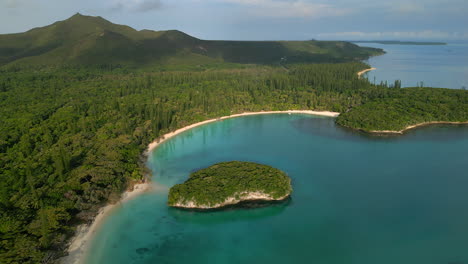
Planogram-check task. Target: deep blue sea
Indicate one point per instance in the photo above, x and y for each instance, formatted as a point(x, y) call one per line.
point(357, 199)
point(434, 66)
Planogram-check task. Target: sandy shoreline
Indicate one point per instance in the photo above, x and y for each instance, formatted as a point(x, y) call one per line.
point(167, 136)
point(364, 71)
point(415, 126)
point(81, 241)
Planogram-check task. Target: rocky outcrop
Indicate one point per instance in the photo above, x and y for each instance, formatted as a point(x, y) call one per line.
point(236, 199)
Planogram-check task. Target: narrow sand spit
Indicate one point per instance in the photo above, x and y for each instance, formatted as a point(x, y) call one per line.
point(415, 126)
point(364, 71)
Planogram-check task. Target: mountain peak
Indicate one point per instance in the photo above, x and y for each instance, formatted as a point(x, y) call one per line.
point(93, 40)
point(79, 16)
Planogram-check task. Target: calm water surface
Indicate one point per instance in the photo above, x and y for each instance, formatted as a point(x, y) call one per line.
point(435, 66)
point(357, 199)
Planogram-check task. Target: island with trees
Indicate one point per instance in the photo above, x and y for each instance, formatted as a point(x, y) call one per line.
point(80, 101)
point(230, 183)
point(398, 42)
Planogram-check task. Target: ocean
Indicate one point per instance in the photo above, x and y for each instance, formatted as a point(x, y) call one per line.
point(432, 66)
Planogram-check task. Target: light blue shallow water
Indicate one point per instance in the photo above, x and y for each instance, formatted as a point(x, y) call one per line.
point(435, 66)
point(357, 199)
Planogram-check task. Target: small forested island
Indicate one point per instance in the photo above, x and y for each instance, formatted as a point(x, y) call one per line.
point(397, 42)
point(230, 183)
point(81, 99)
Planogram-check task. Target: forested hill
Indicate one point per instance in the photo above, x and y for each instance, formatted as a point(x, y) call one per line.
point(71, 136)
point(85, 40)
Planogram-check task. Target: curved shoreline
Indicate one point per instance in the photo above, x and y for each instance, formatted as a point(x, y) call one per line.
point(359, 74)
point(400, 132)
point(153, 145)
point(244, 197)
point(80, 242)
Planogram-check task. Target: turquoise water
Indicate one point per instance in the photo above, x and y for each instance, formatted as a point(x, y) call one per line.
point(435, 66)
point(357, 199)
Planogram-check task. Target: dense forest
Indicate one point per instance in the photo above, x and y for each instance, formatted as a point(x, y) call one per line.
point(212, 186)
point(72, 132)
point(71, 139)
point(407, 107)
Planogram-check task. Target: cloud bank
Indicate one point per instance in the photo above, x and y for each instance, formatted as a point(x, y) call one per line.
point(288, 8)
point(136, 5)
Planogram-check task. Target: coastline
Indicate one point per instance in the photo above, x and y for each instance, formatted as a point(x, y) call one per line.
point(400, 132)
point(80, 242)
point(364, 71)
point(153, 145)
point(243, 197)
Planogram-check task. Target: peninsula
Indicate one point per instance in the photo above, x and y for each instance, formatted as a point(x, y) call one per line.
point(82, 98)
point(365, 71)
point(230, 183)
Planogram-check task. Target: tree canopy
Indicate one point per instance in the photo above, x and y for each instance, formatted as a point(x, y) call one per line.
point(212, 186)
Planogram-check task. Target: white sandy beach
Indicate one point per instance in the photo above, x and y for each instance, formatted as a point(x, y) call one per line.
point(81, 241)
point(167, 136)
point(364, 71)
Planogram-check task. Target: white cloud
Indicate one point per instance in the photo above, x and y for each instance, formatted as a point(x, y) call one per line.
point(13, 3)
point(289, 9)
point(398, 35)
point(408, 8)
point(136, 5)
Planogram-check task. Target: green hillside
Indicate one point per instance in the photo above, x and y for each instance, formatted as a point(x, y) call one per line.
point(71, 136)
point(86, 40)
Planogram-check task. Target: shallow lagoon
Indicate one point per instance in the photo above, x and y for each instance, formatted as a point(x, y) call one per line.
point(357, 198)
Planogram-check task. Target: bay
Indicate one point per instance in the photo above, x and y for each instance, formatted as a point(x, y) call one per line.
point(357, 198)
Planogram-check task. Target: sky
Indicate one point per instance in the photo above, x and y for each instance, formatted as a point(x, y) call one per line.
point(259, 19)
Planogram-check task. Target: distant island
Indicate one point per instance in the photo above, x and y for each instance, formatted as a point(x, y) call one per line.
point(230, 183)
point(397, 42)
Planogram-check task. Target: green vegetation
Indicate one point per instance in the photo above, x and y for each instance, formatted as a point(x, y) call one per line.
point(406, 107)
point(71, 133)
point(71, 138)
point(83, 40)
point(397, 42)
point(210, 187)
